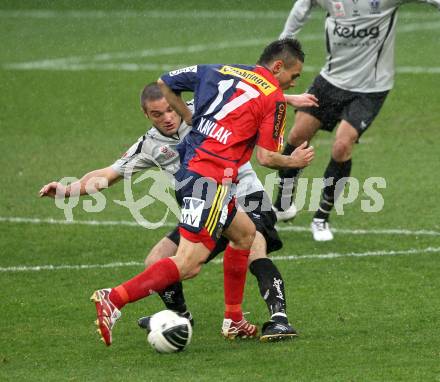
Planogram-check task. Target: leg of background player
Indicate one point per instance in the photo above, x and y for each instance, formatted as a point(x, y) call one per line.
point(304, 129)
point(339, 167)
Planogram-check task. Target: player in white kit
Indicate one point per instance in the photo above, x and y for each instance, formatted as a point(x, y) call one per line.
point(351, 88)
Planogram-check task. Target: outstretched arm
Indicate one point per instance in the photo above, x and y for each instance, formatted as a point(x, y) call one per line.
point(90, 183)
point(298, 16)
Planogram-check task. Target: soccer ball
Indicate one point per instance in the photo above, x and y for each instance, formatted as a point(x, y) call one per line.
point(169, 332)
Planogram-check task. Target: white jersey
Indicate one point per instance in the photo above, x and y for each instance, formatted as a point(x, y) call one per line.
point(157, 150)
point(153, 149)
point(360, 37)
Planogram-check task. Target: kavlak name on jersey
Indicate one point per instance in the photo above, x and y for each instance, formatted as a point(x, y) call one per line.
point(214, 130)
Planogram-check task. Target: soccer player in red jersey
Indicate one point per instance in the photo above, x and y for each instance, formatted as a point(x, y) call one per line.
point(235, 108)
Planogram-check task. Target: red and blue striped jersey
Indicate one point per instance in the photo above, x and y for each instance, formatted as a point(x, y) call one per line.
point(235, 107)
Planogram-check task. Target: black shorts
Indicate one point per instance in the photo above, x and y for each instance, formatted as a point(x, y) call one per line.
point(263, 217)
point(336, 104)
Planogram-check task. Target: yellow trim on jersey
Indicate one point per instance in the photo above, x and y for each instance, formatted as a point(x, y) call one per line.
point(251, 77)
point(214, 202)
point(216, 209)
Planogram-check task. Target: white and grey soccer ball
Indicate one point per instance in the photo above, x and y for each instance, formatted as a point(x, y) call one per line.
point(169, 332)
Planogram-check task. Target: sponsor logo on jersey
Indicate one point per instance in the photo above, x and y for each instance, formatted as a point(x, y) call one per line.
point(250, 77)
point(192, 210)
point(374, 6)
point(352, 32)
point(214, 130)
point(188, 69)
point(338, 9)
point(279, 119)
point(355, 12)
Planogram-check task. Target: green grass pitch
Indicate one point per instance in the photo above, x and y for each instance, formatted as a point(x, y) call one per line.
point(70, 75)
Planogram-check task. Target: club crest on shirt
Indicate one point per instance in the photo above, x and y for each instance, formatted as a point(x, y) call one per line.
point(338, 8)
point(374, 6)
point(167, 152)
point(191, 212)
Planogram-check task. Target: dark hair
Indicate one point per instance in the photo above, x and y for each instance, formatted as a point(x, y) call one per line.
point(287, 49)
point(151, 92)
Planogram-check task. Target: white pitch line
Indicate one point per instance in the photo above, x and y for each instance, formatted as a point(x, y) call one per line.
point(146, 67)
point(94, 66)
point(37, 268)
point(76, 63)
point(408, 28)
point(75, 222)
point(391, 231)
point(161, 14)
point(333, 255)
point(325, 256)
point(417, 70)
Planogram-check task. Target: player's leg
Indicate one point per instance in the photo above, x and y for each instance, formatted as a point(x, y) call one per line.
point(357, 115)
point(308, 121)
point(195, 243)
point(172, 296)
point(270, 281)
point(305, 127)
point(271, 286)
point(337, 170)
point(184, 265)
point(166, 247)
point(241, 233)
